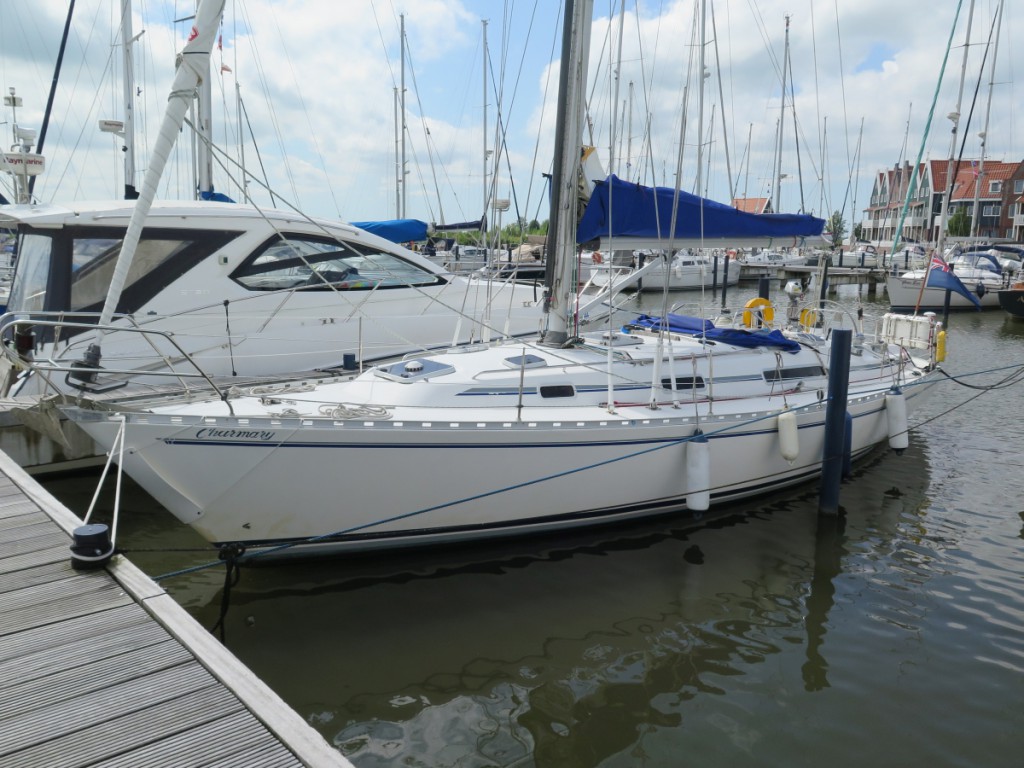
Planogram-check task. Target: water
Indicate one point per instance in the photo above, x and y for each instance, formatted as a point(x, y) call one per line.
point(767, 636)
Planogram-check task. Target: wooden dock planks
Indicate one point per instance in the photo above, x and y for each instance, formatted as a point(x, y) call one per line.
point(104, 668)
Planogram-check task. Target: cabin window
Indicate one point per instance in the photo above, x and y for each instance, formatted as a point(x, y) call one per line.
point(787, 374)
point(28, 293)
point(93, 260)
point(558, 390)
point(70, 269)
point(684, 383)
point(324, 264)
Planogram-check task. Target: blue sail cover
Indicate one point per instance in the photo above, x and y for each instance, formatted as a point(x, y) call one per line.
point(396, 230)
point(738, 337)
point(643, 216)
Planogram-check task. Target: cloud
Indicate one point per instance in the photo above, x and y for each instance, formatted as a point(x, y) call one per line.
point(318, 89)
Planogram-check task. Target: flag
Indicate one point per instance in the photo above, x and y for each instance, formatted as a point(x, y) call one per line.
point(225, 68)
point(941, 275)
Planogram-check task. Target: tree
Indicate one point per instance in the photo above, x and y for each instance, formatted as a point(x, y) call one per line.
point(959, 224)
point(837, 227)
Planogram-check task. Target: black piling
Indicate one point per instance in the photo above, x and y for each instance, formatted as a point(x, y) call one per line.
point(835, 422)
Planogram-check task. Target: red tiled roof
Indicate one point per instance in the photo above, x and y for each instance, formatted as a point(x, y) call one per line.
point(967, 175)
point(751, 204)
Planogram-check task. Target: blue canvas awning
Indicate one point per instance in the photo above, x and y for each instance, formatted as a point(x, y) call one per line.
point(635, 216)
point(396, 230)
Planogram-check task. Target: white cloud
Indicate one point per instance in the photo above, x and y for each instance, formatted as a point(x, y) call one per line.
point(318, 76)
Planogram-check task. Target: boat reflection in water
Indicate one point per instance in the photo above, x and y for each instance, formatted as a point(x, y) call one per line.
point(565, 650)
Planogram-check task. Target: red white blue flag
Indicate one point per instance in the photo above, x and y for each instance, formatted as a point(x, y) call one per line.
point(941, 275)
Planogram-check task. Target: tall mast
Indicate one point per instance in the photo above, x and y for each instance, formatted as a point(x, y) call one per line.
point(702, 69)
point(401, 118)
point(955, 117)
point(487, 197)
point(130, 193)
point(782, 121)
point(398, 161)
point(975, 218)
point(572, 82)
point(30, 183)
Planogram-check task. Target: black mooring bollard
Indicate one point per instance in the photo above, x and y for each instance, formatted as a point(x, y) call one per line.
point(92, 547)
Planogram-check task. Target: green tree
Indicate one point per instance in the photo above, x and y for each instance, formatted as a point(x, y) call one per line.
point(837, 227)
point(959, 224)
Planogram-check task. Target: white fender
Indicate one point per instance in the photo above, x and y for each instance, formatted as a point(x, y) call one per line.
point(896, 415)
point(698, 473)
point(789, 440)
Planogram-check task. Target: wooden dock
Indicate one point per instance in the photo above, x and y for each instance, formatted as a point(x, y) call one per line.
point(103, 667)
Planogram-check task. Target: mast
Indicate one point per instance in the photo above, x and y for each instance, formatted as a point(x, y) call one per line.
point(702, 69)
point(401, 96)
point(49, 99)
point(572, 81)
point(204, 153)
point(782, 121)
point(487, 197)
point(983, 135)
point(721, 100)
point(955, 117)
point(130, 193)
point(398, 161)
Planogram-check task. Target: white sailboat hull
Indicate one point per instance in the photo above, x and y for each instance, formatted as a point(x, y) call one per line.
point(464, 474)
point(905, 294)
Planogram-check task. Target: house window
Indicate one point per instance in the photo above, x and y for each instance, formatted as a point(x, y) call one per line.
point(995, 187)
point(1018, 186)
point(991, 210)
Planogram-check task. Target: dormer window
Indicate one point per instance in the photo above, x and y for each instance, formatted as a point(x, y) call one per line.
point(995, 187)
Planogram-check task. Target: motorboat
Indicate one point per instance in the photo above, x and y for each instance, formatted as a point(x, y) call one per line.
point(241, 291)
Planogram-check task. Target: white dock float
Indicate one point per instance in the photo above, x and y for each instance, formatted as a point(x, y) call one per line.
point(103, 667)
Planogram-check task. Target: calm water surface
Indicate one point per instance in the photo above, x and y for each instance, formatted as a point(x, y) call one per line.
point(893, 636)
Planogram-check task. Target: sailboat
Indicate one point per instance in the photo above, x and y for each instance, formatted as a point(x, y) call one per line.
point(663, 415)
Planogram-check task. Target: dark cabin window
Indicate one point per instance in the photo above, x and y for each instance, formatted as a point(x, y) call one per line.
point(558, 390)
point(787, 374)
point(684, 382)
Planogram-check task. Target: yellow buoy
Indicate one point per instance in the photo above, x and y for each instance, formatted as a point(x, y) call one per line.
point(940, 347)
point(758, 308)
point(808, 318)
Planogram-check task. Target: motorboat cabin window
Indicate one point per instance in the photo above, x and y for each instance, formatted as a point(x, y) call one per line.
point(70, 269)
point(327, 265)
point(93, 260)
point(28, 291)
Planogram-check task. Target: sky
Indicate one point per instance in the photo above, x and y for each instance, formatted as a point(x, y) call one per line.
point(316, 84)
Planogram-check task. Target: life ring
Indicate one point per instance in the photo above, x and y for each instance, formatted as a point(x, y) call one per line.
point(808, 318)
point(758, 308)
point(596, 257)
